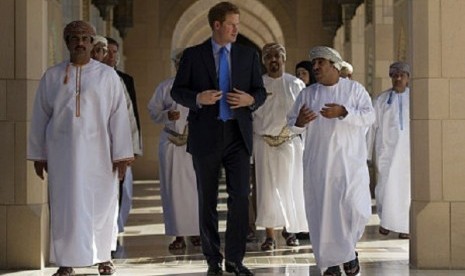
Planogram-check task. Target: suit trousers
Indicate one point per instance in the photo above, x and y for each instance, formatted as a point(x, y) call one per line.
point(233, 155)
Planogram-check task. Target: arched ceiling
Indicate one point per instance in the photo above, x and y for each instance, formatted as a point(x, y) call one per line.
point(257, 24)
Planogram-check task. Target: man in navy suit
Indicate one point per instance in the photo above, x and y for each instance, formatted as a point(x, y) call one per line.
point(214, 140)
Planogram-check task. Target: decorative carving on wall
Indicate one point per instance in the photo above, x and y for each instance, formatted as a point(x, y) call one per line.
point(123, 17)
point(104, 6)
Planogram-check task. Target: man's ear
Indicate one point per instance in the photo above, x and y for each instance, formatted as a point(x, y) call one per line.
point(216, 25)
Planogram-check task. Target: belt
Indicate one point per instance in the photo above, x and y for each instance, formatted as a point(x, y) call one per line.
point(176, 138)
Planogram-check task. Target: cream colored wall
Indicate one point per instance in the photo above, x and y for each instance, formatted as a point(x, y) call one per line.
point(23, 200)
point(357, 45)
point(382, 44)
point(438, 134)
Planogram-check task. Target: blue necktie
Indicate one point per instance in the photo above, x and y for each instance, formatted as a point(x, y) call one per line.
point(225, 84)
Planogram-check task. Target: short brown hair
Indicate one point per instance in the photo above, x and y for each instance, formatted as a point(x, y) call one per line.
point(219, 12)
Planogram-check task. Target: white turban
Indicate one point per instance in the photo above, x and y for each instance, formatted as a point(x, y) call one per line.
point(345, 64)
point(273, 46)
point(326, 53)
point(399, 67)
point(100, 39)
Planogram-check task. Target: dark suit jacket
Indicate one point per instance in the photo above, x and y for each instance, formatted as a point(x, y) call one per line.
point(197, 73)
point(129, 82)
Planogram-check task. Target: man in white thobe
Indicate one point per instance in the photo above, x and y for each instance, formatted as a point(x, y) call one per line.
point(334, 114)
point(99, 52)
point(178, 184)
point(80, 136)
point(278, 154)
point(391, 136)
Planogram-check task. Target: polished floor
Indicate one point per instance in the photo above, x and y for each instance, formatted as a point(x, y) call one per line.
point(144, 249)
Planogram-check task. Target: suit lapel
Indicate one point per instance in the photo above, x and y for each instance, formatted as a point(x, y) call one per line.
point(207, 56)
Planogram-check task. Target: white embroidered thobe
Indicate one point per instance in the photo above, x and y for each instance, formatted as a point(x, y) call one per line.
point(80, 138)
point(391, 133)
point(279, 170)
point(178, 185)
point(336, 180)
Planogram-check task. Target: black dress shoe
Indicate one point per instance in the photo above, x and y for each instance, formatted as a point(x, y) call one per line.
point(214, 269)
point(238, 269)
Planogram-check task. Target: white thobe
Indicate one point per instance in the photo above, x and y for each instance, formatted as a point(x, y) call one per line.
point(178, 185)
point(278, 169)
point(80, 151)
point(336, 180)
point(391, 134)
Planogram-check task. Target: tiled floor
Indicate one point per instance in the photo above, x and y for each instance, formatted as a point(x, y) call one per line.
point(144, 250)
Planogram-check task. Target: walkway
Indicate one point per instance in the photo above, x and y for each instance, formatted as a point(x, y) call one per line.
point(144, 250)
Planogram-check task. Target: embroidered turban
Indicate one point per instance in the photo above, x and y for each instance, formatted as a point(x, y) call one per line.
point(273, 46)
point(78, 27)
point(326, 53)
point(398, 67)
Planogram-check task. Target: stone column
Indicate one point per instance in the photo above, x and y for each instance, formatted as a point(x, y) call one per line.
point(357, 47)
point(438, 134)
point(378, 44)
point(23, 198)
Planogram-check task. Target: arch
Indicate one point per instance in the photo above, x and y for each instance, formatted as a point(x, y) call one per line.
point(257, 24)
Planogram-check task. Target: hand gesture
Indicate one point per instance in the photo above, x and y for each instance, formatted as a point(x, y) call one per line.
point(333, 110)
point(208, 97)
point(238, 98)
point(174, 115)
point(305, 116)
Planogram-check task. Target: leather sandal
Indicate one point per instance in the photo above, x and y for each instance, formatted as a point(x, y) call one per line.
point(268, 245)
point(106, 268)
point(64, 271)
point(195, 240)
point(333, 271)
point(177, 244)
point(285, 234)
point(383, 231)
point(292, 240)
point(404, 236)
point(352, 268)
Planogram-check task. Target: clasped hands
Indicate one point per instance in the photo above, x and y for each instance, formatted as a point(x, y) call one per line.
point(329, 111)
point(235, 98)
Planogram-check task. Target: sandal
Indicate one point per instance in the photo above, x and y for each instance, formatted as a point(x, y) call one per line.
point(291, 240)
point(268, 245)
point(106, 268)
point(285, 234)
point(64, 271)
point(404, 236)
point(177, 244)
point(302, 236)
point(195, 240)
point(352, 268)
point(383, 231)
point(333, 271)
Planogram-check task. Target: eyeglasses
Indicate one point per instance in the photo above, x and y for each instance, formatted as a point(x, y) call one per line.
point(76, 39)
